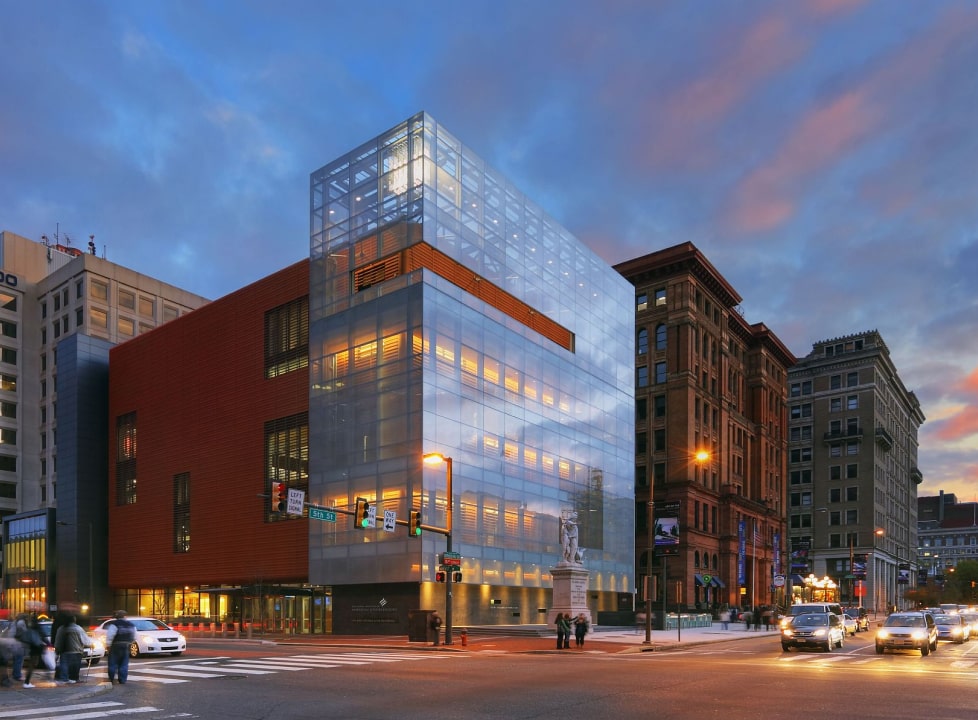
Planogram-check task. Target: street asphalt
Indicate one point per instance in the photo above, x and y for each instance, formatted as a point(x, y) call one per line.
point(515, 639)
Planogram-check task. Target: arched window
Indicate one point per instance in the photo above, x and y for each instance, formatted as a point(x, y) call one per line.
point(642, 341)
point(696, 559)
point(660, 337)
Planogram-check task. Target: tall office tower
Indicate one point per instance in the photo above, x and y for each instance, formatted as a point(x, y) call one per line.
point(853, 473)
point(706, 381)
point(61, 309)
point(449, 314)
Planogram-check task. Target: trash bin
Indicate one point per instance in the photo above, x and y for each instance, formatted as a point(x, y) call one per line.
point(419, 626)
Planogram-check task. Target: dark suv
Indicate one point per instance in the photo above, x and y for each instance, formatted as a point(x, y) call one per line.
point(908, 631)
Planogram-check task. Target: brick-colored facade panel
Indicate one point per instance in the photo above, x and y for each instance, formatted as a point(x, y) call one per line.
point(198, 389)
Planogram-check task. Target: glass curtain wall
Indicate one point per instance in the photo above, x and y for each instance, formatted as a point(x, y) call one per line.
point(449, 314)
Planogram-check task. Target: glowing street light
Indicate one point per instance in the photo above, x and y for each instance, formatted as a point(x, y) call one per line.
point(437, 459)
point(700, 456)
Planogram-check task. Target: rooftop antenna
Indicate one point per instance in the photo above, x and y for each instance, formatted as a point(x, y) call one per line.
point(91, 244)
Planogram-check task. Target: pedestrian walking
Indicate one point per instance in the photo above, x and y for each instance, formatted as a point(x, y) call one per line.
point(757, 615)
point(580, 629)
point(747, 618)
point(18, 649)
point(35, 643)
point(725, 619)
point(69, 643)
point(435, 624)
point(119, 635)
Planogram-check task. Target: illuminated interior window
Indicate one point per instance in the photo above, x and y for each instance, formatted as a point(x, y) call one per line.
point(392, 347)
point(512, 520)
point(511, 452)
point(530, 458)
point(341, 361)
point(548, 396)
point(564, 469)
point(490, 370)
point(491, 444)
point(365, 355)
point(564, 402)
point(445, 350)
point(531, 389)
point(512, 380)
point(470, 361)
point(548, 463)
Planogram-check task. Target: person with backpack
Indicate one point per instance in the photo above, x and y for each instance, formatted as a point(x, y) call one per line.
point(119, 635)
point(35, 642)
point(69, 643)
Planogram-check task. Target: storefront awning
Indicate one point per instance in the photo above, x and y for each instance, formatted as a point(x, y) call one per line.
point(708, 581)
point(797, 580)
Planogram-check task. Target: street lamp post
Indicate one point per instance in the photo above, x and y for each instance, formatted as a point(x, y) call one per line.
point(435, 459)
point(648, 573)
point(700, 457)
point(876, 590)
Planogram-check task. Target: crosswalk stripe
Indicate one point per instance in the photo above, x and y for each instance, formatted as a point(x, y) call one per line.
point(85, 714)
point(330, 660)
point(30, 712)
point(151, 678)
point(351, 657)
point(258, 664)
point(196, 672)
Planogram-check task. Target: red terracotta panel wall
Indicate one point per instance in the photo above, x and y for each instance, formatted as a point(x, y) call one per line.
point(198, 388)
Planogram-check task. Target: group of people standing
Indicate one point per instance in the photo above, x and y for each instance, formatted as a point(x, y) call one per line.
point(24, 645)
point(565, 624)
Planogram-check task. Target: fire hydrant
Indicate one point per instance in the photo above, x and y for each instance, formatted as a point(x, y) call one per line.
point(465, 638)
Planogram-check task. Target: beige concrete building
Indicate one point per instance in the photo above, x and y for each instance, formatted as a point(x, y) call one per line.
point(853, 474)
point(61, 309)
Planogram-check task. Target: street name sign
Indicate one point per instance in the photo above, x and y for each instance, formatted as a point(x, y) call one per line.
point(322, 514)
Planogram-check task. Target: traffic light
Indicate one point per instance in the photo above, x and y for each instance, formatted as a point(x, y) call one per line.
point(363, 514)
point(278, 497)
point(440, 576)
point(457, 576)
point(414, 524)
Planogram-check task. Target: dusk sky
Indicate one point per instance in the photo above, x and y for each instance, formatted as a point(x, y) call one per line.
point(823, 154)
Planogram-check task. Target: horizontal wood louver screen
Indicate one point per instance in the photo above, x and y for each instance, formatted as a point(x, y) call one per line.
point(422, 255)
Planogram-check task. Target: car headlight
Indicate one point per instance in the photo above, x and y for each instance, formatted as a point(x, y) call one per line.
point(98, 644)
point(787, 632)
point(820, 632)
point(918, 635)
point(882, 634)
point(147, 640)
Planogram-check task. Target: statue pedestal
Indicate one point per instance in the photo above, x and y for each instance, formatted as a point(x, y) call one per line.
point(570, 592)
